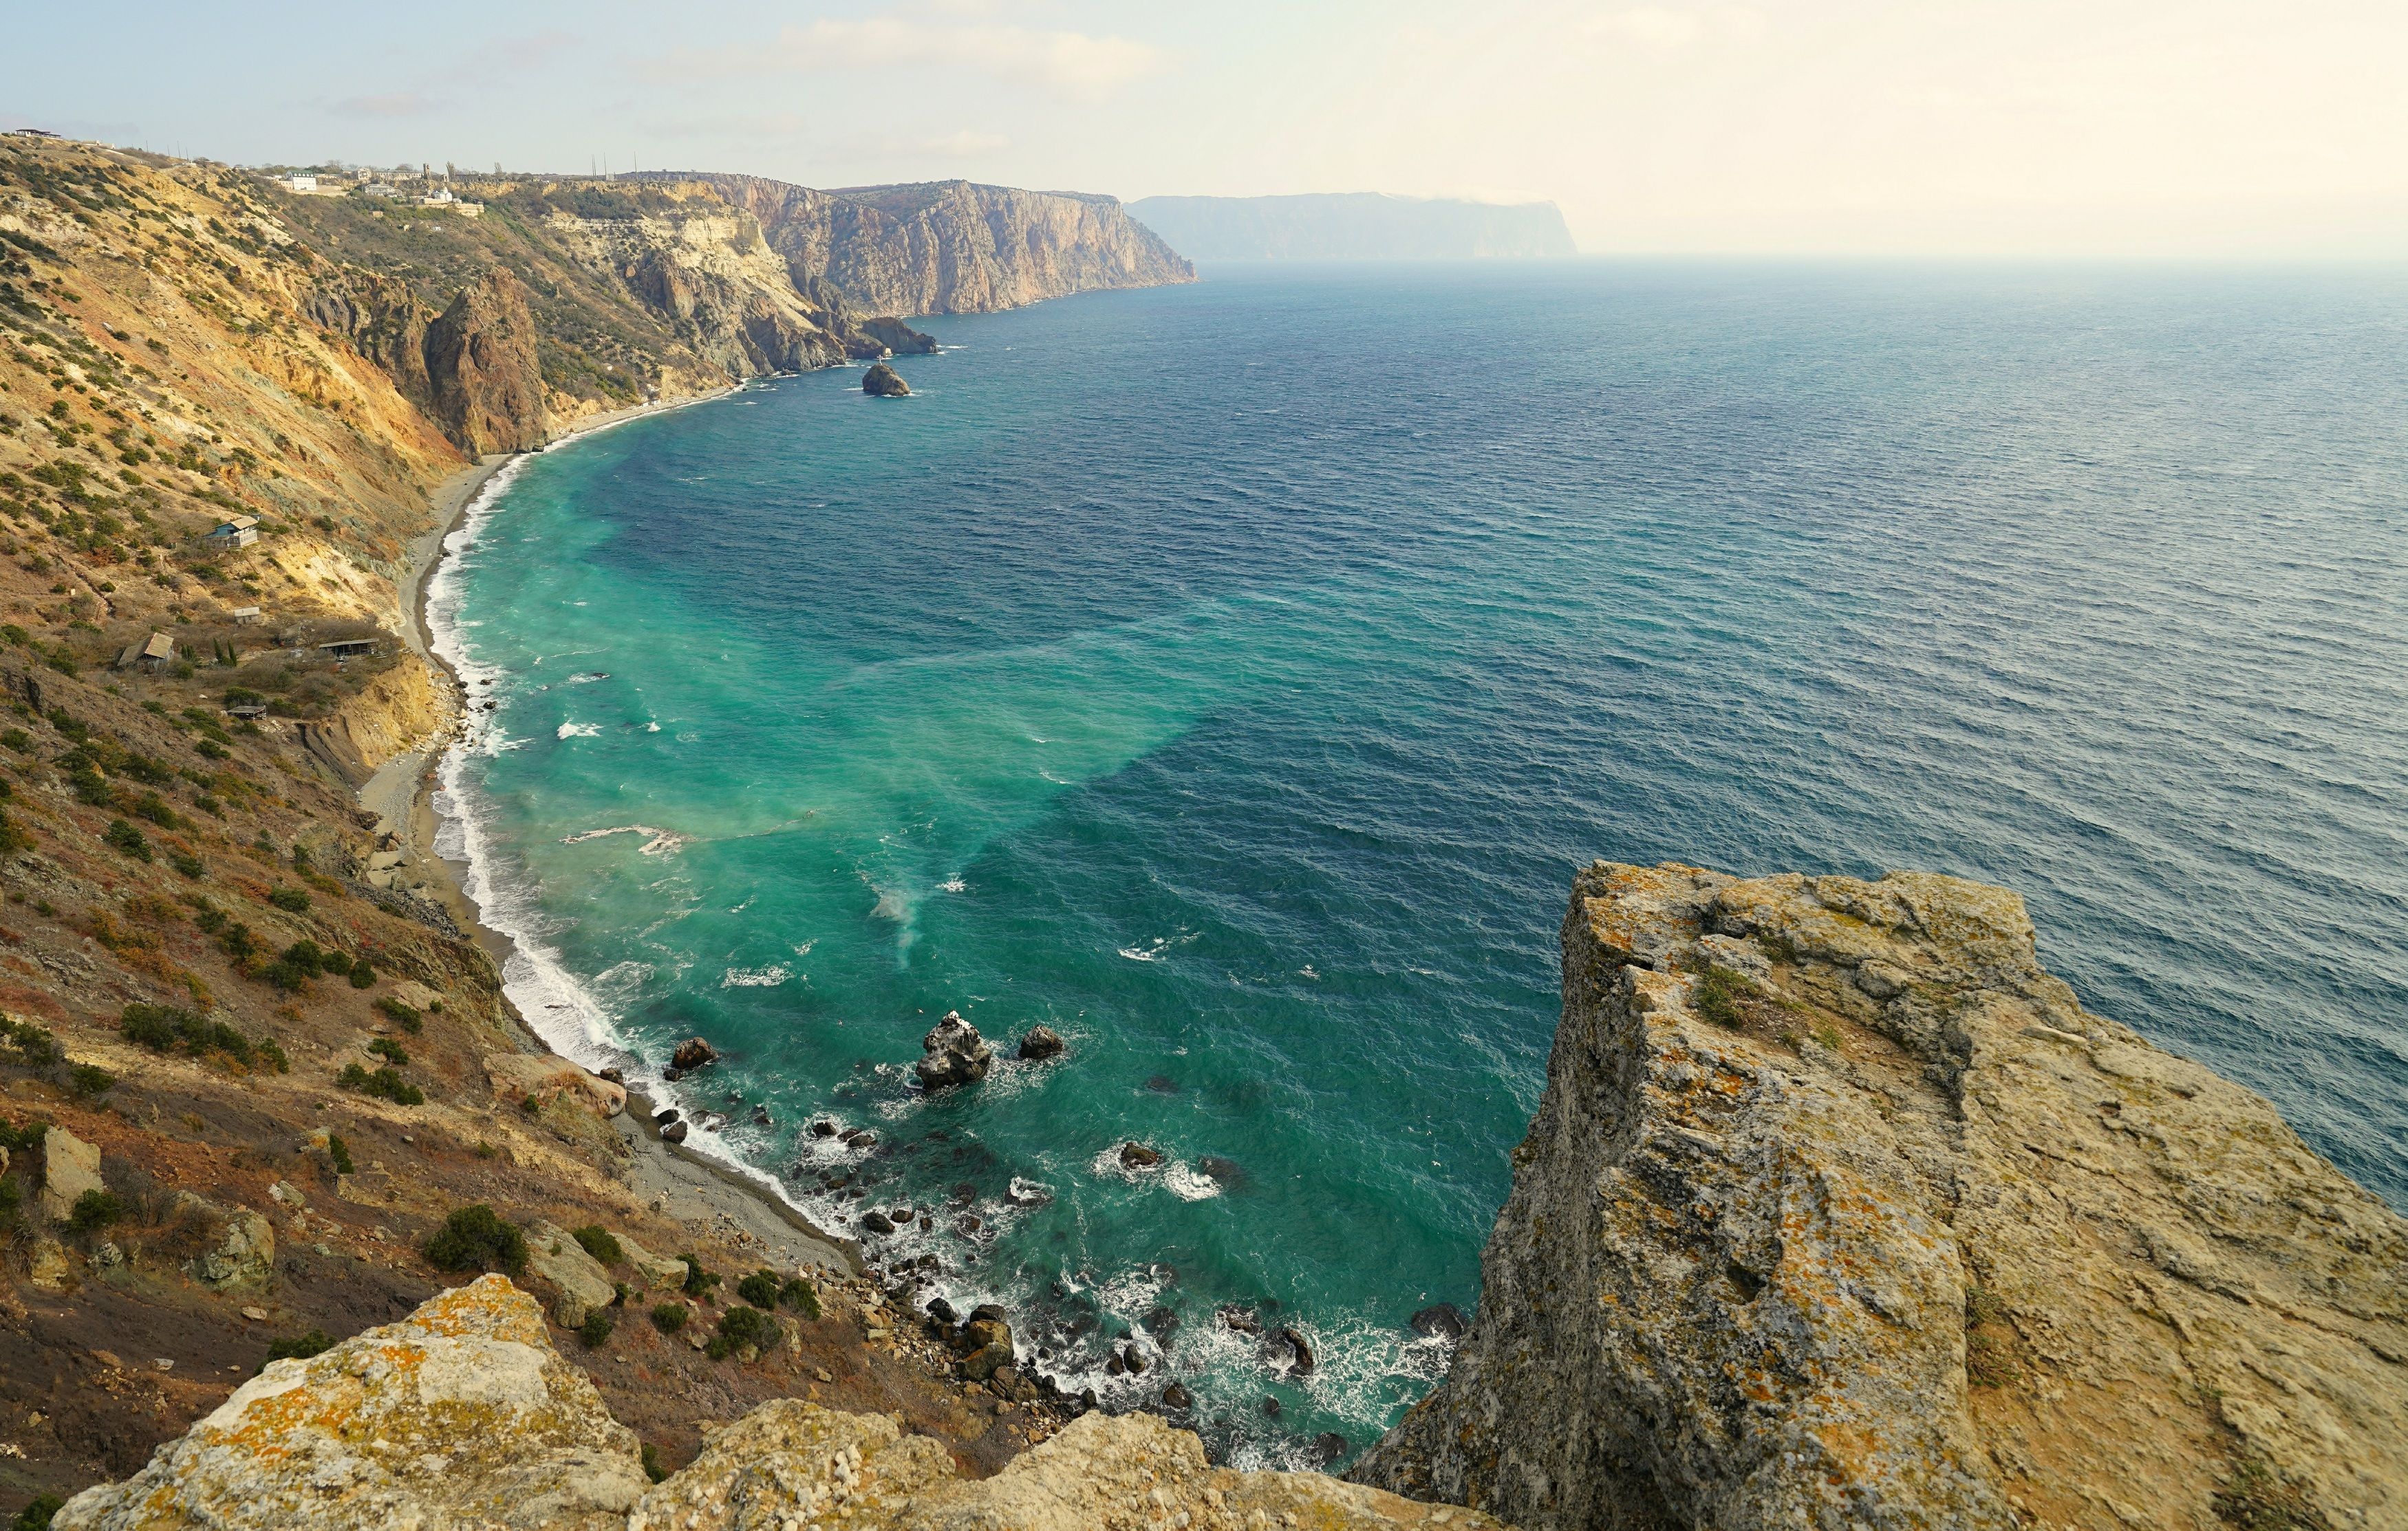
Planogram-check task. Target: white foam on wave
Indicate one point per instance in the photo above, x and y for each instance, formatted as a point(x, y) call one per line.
point(754, 978)
point(1189, 1184)
point(662, 841)
point(578, 731)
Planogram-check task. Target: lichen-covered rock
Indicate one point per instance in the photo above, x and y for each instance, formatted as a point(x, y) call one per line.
point(585, 1286)
point(459, 1416)
point(462, 1416)
point(1838, 1210)
point(1104, 1473)
point(790, 1461)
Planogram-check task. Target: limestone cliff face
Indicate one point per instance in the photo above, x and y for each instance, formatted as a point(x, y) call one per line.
point(952, 247)
point(464, 1415)
point(1838, 1210)
point(484, 384)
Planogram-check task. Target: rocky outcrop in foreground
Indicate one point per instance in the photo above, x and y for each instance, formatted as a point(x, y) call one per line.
point(1840, 1211)
point(463, 1415)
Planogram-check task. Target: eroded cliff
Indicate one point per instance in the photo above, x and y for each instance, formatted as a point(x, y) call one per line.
point(1838, 1210)
point(951, 247)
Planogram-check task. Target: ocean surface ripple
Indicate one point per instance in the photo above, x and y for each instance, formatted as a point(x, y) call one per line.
point(1229, 677)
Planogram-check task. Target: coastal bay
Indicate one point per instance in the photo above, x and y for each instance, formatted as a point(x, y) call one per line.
point(1044, 698)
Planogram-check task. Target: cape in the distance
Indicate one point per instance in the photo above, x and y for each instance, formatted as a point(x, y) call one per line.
point(1354, 226)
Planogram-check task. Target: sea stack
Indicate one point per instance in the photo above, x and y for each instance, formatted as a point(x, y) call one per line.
point(1043, 1042)
point(884, 382)
point(956, 1054)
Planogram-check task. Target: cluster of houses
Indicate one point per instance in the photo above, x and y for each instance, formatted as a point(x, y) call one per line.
point(421, 186)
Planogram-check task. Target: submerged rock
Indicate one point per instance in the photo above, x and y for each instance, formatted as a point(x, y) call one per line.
point(956, 1054)
point(1440, 1320)
point(884, 382)
point(1135, 1155)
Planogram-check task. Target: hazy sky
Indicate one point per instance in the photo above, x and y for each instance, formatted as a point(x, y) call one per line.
point(2213, 127)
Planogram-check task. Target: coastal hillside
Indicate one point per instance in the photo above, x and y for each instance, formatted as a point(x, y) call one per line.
point(256, 1075)
point(1839, 1210)
point(1354, 226)
point(949, 247)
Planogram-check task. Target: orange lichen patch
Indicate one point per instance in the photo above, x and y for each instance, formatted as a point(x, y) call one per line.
point(488, 1307)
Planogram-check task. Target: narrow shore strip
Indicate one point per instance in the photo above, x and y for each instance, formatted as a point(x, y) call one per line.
point(410, 793)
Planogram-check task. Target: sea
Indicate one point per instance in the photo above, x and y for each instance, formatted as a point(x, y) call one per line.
point(1230, 676)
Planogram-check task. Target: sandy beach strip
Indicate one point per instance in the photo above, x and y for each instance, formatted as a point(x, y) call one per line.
point(672, 1179)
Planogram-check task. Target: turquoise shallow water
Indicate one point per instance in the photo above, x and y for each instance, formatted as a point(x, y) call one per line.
point(1230, 676)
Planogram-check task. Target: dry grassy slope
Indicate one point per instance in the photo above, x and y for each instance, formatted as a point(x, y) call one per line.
point(156, 374)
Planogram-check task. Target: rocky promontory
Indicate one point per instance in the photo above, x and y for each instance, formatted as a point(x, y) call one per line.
point(1838, 1210)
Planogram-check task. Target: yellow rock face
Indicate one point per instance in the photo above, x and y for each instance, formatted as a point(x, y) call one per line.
point(1840, 1209)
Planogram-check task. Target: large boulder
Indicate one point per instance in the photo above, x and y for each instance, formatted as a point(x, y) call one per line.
point(660, 1272)
point(955, 1053)
point(584, 1285)
point(242, 1244)
point(884, 382)
point(546, 1077)
point(1839, 1210)
point(70, 1167)
point(460, 1415)
point(1042, 1043)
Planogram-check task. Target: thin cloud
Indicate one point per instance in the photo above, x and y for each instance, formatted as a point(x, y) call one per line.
point(1070, 62)
point(388, 103)
point(1663, 27)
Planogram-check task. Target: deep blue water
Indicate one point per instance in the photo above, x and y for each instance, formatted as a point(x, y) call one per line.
point(1232, 675)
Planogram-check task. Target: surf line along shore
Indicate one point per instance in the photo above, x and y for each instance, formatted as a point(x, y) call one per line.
point(678, 1181)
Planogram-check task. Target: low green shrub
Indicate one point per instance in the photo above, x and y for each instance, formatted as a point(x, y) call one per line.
point(340, 1152)
point(699, 1282)
point(125, 838)
point(298, 1348)
point(595, 1330)
point(476, 1238)
point(94, 1210)
point(669, 1317)
point(760, 1289)
point(595, 1240)
point(384, 1084)
point(800, 1295)
point(741, 1326)
point(401, 1014)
